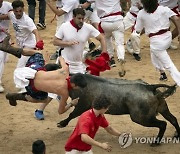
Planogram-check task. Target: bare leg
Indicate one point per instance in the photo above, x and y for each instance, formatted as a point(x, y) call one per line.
point(29, 52)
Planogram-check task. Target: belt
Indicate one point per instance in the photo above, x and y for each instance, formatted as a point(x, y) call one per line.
point(135, 15)
point(112, 14)
point(162, 31)
point(175, 10)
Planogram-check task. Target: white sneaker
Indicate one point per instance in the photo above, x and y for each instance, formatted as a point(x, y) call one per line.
point(1, 89)
point(129, 46)
point(22, 90)
point(174, 47)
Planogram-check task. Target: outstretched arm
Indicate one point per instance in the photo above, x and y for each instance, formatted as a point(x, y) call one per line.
point(112, 131)
point(176, 21)
point(58, 12)
point(101, 38)
point(63, 106)
point(88, 140)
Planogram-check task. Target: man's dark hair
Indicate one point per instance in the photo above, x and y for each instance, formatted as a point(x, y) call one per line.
point(38, 147)
point(79, 80)
point(101, 102)
point(149, 5)
point(17, 3)
point(79, 11)
point(51, 67)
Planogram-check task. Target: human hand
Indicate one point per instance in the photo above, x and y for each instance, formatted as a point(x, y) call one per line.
point(70, 43)
point(75, 101)
point(40, 44)
point(106, 146)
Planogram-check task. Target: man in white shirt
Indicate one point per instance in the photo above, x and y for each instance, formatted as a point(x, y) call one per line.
point(133, 43)
point(26, 32)
point(173, 5)
point(72, 36)
point(63, 8)
point(110, 14)
point(5, 7)
point(155, 20)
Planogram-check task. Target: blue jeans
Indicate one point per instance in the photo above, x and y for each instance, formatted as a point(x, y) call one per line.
point(42, 10)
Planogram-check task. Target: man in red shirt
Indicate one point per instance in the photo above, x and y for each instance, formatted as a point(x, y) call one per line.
point(82, 138)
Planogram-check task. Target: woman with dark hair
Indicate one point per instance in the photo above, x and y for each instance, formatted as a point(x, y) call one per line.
point(155, 20)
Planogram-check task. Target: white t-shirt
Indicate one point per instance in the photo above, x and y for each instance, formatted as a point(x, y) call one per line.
point(154, 22)
point(5, 8)
point(73, 55)
point(23, 28)
point(169, 3)
point(134, 6)
point(68, 6)
point(106, 7)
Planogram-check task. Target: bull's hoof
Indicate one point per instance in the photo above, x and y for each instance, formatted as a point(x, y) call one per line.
point(155, 144)
point(61, 124)
point(121, 74)
point(176, 135)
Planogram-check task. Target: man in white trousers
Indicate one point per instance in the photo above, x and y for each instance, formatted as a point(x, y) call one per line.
point(133, 45)
point(5, 7)
point(27, 35)
point(155, 20)
point(111, 24)
point(173, 5)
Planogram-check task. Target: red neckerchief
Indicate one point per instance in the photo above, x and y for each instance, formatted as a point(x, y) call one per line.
point(74, 25)
point(69, 83)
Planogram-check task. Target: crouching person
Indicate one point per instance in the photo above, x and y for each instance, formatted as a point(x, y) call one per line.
point(82, 138)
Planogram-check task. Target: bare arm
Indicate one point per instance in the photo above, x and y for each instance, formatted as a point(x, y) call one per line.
point(4, 17)
point(112, 131)
point(61, 43)
point(63, 64)
point(101, 38)
point(63, 106)
point(58, 12)
point(85, 5)
point(176, 21)
point(36, 33)
point(88, 140)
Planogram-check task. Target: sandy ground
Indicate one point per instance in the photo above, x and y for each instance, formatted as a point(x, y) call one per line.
point(19, 128)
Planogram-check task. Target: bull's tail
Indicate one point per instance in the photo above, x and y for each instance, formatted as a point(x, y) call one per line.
point(170, 90)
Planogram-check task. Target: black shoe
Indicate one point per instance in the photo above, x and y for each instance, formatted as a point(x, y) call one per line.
point(112, 62)
point(136, 56)
point(41, 25)
point(92, 46)
point(12, 100)
point(95, 53)
point(54, 56)
point(163, 77)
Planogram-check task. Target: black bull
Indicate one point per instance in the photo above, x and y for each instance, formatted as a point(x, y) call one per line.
point(137, 98)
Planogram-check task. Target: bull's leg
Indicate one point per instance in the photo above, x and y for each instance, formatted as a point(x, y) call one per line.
point(152, 122)
point(164, 111)
point(75, 113)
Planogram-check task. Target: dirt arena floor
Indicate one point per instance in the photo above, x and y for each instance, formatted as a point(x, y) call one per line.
point(19, 128)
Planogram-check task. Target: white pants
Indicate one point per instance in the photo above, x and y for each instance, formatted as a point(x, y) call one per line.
point(115, 29)
point(22, 61)
point(79, 152)
point(3, 59)
point(159, 56)
point(129, 21)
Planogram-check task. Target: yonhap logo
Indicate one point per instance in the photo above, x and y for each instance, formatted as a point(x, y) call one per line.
point(125, 140)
